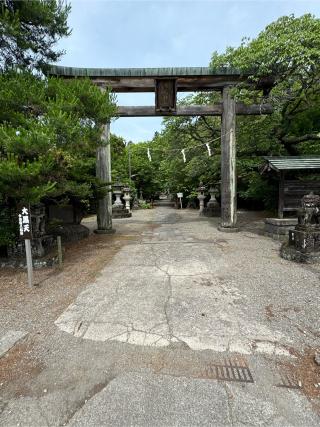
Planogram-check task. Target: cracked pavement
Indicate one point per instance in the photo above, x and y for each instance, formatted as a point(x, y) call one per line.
point(137, 344)
point(186, 282)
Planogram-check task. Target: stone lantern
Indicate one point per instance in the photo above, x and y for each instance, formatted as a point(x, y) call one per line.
point(118, 209)
point(127, 197)
point(117, 191)
point(213, 207)
point(201, 197)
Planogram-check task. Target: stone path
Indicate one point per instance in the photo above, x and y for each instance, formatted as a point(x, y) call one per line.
point(185, 282)
point(183, 326)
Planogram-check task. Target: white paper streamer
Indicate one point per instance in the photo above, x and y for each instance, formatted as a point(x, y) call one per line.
point(149, 155)
point(209, 149)
point(183, 155)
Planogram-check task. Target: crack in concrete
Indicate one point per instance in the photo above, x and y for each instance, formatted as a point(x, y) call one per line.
point(169, 276)
point(230, 397)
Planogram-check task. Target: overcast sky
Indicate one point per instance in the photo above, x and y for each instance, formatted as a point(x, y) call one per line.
point(160, 33)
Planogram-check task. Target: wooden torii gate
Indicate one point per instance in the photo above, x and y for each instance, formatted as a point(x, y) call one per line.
point(166, 83)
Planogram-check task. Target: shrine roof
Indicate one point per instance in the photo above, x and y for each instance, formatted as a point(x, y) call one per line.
point(293, 162)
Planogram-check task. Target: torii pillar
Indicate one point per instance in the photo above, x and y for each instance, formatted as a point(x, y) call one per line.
point(103, 173)
point(228, 164)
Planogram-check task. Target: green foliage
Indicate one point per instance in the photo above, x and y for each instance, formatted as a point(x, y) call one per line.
point(29, 30)
point(144, 205)
point(49, 131)
point(8, 228)
point(287, 51)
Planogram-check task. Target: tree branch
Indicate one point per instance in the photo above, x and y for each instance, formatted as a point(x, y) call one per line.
point(297, 139)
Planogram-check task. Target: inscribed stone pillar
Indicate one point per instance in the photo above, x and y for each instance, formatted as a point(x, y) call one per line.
point(103, 172)
point(228, 164)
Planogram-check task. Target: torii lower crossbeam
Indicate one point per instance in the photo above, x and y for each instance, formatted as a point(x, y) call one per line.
point(193, 110)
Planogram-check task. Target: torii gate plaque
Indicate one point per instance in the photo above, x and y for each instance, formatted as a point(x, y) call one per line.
point(165, 83)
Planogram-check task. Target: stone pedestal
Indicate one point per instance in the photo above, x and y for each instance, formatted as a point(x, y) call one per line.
point(278, 228)
point(201, 204)
point(304, 241)
point(303, 246)
point(135, 204)
point(121, 212)
point(40, 246)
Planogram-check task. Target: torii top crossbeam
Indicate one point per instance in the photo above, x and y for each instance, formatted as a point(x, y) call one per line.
point(188, 79)
point(165, 83)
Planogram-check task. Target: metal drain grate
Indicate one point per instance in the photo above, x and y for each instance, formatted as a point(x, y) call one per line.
point(230, 370)
point(289, 381)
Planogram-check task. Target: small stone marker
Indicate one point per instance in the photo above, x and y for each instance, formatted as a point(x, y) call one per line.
point(8, 340)
point(317, 358)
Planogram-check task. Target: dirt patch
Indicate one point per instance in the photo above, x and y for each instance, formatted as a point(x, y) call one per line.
point(57, 288)
point(269, 311)
point(307, 374)
point(272, 312)
point(36, 309)
point(18, 366)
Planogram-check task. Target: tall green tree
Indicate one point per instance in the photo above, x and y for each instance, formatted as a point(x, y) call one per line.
point(29, 31)
point(288, 51)
point(49, 131)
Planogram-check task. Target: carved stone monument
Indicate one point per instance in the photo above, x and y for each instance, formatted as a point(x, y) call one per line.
point(304, 240)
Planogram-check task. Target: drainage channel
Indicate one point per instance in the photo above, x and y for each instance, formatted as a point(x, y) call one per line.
point(230, 370)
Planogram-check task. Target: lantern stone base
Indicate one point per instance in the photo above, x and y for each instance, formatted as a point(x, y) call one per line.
point(70, 232)
point(43, 246)
point(40, 246)
point(290, 253)
point(120, 212)
point(48, 260)
point(228, 229)
point(303, 246)
point(212, 211)
point(104, 231)
point(278, 228)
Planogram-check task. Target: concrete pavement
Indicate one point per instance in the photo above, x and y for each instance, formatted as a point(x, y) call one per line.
point(183, 326)
point(187, 282)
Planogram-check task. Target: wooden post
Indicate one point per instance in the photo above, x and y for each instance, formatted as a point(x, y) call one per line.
point(228, 164)
point(59, 251)
point(103, 172)
point(281, 195)
point(27, 243)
